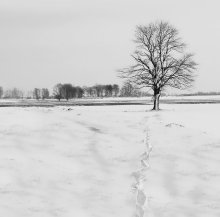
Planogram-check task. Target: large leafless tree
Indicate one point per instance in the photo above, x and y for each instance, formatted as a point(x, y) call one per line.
point(160, 60)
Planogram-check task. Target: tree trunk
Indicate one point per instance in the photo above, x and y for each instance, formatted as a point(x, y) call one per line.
point(156, 99)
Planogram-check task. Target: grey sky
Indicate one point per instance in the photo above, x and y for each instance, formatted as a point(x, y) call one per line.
point(84, 42)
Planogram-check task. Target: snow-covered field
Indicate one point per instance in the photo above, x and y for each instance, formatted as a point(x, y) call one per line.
point(93, 161)
point(110, 101)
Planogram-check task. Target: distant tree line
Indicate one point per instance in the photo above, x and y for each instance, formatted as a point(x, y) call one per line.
point(99, 90)
point(201, 93)
point(68, 91)
point(14, 93)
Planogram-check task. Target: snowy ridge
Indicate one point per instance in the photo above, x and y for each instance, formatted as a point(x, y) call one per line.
point(140, 178)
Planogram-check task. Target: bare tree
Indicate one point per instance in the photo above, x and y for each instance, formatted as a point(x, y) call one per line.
point(14, 93)
point(160, 60)
point(129, 90)
point(79, 92)
point(68, 91)
point(57, 91)
point(45, 93)
point(17, 94)
point(90, 91)
point(108, 89)
point(99, 89)
point(36, 93)
point(29, 94)
point(1, 92)
point(115, 89)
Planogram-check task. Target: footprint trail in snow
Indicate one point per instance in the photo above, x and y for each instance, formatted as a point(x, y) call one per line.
point(140, 178)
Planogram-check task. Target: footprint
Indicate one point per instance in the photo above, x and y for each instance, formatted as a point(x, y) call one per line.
point(141, 198)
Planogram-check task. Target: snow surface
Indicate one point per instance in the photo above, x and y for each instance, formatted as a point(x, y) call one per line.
point(110, 161)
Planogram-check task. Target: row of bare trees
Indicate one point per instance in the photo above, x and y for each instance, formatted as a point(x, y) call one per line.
point(99, 90)
point(68, 91)
point(13, 93)
point(16, 93)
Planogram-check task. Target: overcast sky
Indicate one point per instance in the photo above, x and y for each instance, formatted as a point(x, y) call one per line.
point(83, 42)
